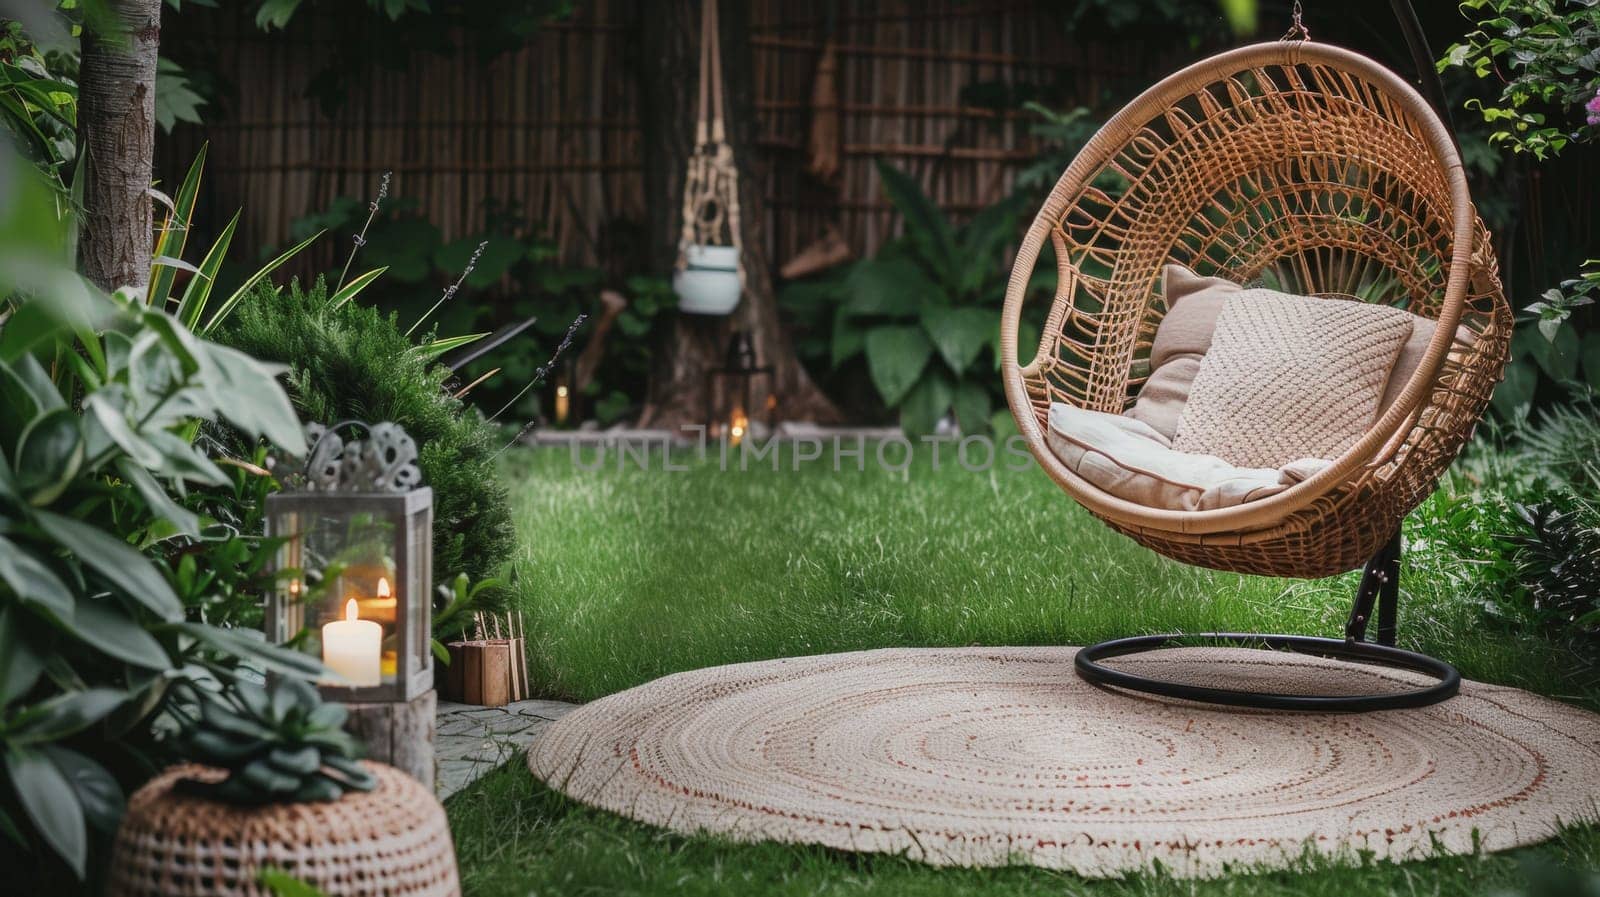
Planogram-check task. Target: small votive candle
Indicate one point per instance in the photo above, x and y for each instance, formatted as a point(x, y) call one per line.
point(353, 648)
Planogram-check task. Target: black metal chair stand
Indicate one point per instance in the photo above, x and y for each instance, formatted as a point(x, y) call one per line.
point(1380, 589)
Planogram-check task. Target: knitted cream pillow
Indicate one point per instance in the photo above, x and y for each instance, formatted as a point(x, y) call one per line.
point(1193, 303)
point(1290, 377)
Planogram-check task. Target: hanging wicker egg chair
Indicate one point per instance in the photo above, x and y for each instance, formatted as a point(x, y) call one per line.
point(1317, 171)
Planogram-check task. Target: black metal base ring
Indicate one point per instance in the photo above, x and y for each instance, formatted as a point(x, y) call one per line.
point(1089, 667)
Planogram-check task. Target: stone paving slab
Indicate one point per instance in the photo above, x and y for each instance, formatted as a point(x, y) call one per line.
point(470, 741)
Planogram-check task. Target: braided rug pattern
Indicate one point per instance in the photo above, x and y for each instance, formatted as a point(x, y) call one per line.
point(990, 756)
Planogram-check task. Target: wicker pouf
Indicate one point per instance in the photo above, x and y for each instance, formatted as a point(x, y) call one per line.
point(391, 841)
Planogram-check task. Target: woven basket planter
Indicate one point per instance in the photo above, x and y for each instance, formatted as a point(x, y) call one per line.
point(391, 841)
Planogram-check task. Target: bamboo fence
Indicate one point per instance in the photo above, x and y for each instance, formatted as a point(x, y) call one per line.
point(552, 126)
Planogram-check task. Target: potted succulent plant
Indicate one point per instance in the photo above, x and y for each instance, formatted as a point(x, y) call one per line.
point(277, 792)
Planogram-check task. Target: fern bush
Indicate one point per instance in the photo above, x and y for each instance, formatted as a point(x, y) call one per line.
point(350, 361)
point(1566, 444)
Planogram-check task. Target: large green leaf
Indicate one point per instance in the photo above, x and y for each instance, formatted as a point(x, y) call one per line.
point(100, 624)
point(896, 355)
point(1558, 357)
point(26, 329)
point(180, 459)
point(849, 338)
point(49, 455)
point(1590, 356)
point(178, 340)
point(63, 715)
point(155, 376)
point(1515, 392)
point(183, 520)
point(403, 245)
point(926, 404)
point(270, 657)
point(972, 406)
point(20, 664)
point(494, 261)
point(98, 792)
point(1003, 426)
point(51, 803)
point(26, 379)
point(1027, 342)
point(116, 561)
point(982, 242)
point(33, 582)
point(926, 226)
point(245, 392)
point(960, 333)
point(108, 415)
point(893, 288)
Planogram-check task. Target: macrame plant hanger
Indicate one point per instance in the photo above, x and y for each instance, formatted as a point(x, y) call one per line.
point(711, 188)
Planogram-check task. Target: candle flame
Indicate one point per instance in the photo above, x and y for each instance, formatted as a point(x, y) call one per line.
point(383, 587)
point(350, 609)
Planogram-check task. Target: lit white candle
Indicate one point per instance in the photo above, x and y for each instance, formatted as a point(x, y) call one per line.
point(353, 648)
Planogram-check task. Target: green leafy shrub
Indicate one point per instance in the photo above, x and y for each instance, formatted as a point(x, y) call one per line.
point(277, 744)
point(1557, 559)
point(1546, 53)
point(924, 313)
point(1462, 536)
point(1565, 445)
point(97, 398)
point(349, 361)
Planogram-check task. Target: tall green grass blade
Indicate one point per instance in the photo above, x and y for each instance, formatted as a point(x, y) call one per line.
point(248, 285)
point(198, 293)
point(349, 290)
point(438, 347)
point(174, 234)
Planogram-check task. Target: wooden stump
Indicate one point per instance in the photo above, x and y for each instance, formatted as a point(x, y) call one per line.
point(398, 733)
point(486, 672)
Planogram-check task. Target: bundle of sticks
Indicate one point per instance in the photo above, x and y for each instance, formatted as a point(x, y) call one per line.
point(491, 668)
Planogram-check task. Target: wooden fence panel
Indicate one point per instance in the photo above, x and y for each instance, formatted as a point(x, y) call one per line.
point(552, 126)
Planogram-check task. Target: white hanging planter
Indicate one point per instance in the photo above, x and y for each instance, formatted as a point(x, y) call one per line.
point(708, 284)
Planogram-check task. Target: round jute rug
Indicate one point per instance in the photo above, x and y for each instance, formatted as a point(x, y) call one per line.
point(995, 756)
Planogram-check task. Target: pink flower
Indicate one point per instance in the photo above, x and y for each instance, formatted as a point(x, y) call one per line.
point(1593, 108)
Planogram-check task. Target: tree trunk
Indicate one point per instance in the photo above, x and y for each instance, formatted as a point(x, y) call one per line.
point(116, 141)
point(669, 69)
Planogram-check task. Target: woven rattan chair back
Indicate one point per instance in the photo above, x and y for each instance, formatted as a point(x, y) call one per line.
point(1291, 165)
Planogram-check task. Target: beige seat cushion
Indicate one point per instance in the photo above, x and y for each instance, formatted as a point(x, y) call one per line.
point(1290, 377)
point(1129, 459)
point(1185, 334)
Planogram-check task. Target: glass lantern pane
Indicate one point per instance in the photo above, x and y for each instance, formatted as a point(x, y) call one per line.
point(421, 580)
point(348, 593)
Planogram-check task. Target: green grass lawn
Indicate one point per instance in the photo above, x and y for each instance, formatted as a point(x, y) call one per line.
point(627, 575)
